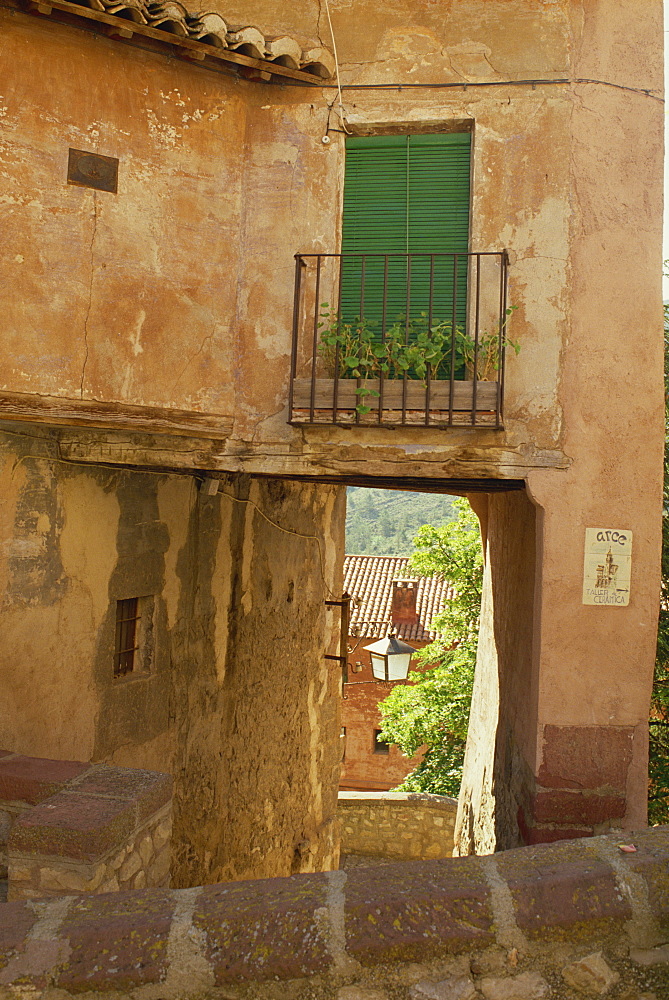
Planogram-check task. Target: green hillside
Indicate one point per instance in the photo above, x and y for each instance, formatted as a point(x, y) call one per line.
point(384, 522)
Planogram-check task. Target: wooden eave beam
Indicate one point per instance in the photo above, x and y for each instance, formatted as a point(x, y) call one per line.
point(61, 411)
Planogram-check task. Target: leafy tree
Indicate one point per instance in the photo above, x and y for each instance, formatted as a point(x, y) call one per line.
point(434, 712)
point(658, 764)
point(385, 525)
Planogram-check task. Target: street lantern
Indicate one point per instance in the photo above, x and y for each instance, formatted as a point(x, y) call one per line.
point(390, 658)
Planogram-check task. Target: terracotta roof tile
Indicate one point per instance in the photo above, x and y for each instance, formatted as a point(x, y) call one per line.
point(369, 579)
point(212, 29)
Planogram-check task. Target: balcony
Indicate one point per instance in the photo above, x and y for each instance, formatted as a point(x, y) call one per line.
point(397, 339)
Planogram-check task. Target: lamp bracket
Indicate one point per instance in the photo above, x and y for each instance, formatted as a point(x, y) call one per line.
point(342, 658)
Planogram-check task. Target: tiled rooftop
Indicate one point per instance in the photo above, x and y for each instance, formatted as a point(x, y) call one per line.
point(369, 579)
point(208, 28)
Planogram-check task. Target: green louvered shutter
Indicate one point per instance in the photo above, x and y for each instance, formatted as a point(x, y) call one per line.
point(375, 221)
point(405, 194)
point(438, 197)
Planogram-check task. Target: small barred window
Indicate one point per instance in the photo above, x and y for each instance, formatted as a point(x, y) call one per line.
point(127, 632)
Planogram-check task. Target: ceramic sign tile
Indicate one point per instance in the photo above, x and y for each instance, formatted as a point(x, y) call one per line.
point(607, 566)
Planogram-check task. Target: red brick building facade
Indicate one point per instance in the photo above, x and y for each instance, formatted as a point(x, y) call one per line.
point(384, 596)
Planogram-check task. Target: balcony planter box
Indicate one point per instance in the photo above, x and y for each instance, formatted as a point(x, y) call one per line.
point(335, 401)
point(452, 313)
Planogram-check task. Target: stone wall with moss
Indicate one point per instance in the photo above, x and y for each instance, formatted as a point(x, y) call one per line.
point(550, 922)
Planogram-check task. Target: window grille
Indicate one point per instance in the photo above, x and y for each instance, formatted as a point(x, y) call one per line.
point(127, 616)
point(379, 746)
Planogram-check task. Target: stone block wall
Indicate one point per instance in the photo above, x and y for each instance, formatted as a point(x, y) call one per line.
point(75, 827)
point(396, 825)
point(549, 922)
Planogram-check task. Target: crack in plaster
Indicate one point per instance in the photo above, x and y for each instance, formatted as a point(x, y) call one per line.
point(643, 929)
point(318, 22)
point(209, 336)
point(580, 100)
point(90, 296)
point(508, 933)
point(577, 217)
point(540, 256)
point(292, 184)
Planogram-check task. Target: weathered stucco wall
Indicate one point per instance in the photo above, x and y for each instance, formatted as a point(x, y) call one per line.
point(238, 702)
point(121, 297)
point(177, 291)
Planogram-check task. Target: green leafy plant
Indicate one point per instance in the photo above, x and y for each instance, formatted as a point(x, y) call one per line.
point(351, 350)
point(416, 348)
point(487, 357)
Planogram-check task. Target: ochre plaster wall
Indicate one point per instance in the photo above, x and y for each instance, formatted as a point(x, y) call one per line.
point(127, 297)
point(239, 703)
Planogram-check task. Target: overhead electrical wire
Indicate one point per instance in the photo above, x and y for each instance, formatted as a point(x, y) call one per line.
point(467, 85)
point(342, 113)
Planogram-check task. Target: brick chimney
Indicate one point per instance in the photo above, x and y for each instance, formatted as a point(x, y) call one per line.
point(403, 607)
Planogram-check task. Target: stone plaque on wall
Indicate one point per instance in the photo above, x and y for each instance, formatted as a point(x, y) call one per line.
point(86, 169)
point(607, 566)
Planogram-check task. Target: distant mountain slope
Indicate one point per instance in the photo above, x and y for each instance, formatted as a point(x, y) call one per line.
point(384, 522)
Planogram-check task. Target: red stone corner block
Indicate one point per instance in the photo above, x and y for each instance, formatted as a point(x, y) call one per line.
point(148, 790)
point(33, 779)
point(586, 757)
point(576, 808)
point(265, 929)
point(73, 825)
point(417, 909)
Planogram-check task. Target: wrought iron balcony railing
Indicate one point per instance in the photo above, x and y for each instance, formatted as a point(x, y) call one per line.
point(397, 339)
